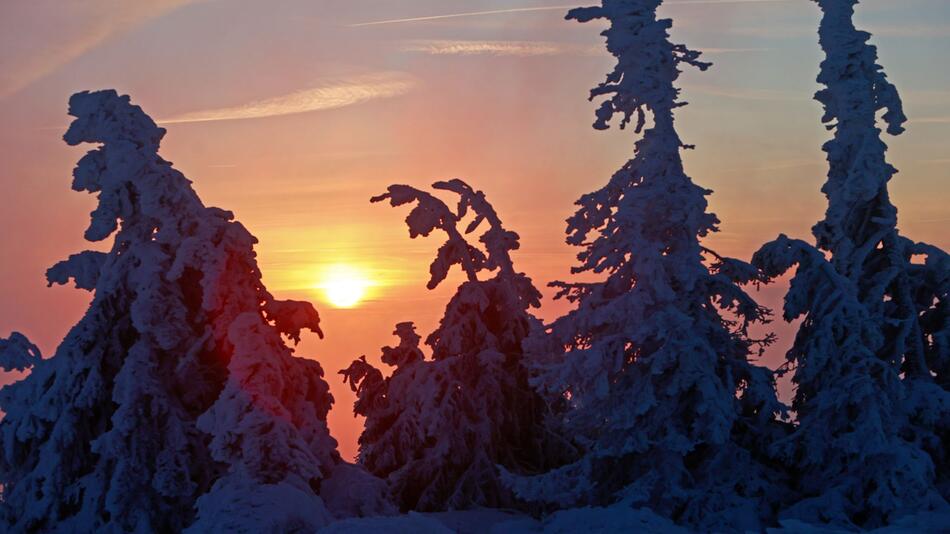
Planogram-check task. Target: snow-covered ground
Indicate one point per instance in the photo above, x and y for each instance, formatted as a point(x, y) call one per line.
point(614, 519)
point(592, 520)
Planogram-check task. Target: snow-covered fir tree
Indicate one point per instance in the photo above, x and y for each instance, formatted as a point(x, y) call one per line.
point(871, 357)
point(655, 359)
point(174, 402)
point(437, 429)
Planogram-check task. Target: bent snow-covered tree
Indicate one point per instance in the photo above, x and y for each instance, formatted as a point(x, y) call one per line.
point(437, 429)
point(176, 384)
point(655, 359)
point(871, 357)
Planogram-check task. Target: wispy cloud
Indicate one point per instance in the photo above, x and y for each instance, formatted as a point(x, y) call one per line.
point(449, 47)
point(34, 44)
point(327, 96)
point(498, 48)
point(429, 18)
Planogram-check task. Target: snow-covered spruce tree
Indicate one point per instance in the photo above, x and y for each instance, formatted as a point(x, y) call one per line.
point(871, 358)
point(655, 359)
point(437, 429)
point(176, 383)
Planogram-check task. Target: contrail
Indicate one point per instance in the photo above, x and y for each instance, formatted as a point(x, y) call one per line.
point(540, 8)
point(459, 15)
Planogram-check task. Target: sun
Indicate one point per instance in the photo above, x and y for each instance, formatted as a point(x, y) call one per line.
point(344, 286)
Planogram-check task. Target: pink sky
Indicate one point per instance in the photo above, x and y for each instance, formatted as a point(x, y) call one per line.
point(293, 114)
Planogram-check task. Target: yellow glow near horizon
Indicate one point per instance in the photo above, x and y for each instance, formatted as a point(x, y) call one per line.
point(343, 285)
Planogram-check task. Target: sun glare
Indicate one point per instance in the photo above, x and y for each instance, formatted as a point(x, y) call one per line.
point(344, 286)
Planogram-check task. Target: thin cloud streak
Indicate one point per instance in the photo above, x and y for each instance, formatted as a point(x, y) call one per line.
point(448, 47)
point(498, 48)
point(329, 96)
point(429, 18)
point(97, 23)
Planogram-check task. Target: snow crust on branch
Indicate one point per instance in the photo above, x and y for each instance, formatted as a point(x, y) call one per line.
point(82, 268)
point(17, 353)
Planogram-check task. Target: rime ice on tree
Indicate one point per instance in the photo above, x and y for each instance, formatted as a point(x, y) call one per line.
point(17, 353)
point(437, 429)
point(871, 358)
point(654, 361)
point(176, 384)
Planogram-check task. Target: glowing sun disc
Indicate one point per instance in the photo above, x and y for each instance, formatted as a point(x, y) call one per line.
point(344, 286)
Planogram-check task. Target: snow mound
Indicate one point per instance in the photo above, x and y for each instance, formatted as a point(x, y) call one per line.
point(351, 491)
point(922, 523)
point(481, 520)
point(616, 518)
point(412, 523)
point(237, 504)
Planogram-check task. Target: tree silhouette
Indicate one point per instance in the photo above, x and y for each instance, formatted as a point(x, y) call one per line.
point(438, 429)
point(655, 359)
point(870, 357)
point(176, 383)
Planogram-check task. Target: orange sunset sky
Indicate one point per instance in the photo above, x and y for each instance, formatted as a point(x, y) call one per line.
point(292, 113)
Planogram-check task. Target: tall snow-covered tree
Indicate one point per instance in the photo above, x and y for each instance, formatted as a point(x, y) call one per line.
point(870, 359)
point(176, 384)
point(437, 429)
point(655, 359)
